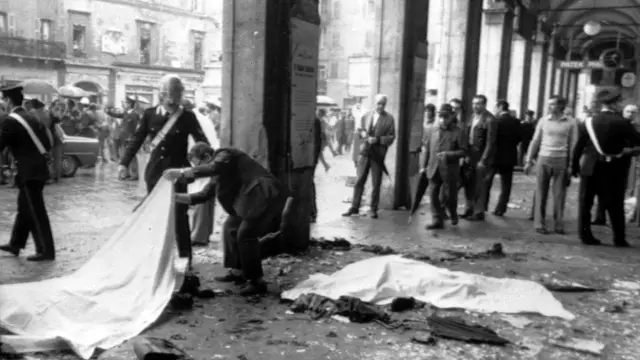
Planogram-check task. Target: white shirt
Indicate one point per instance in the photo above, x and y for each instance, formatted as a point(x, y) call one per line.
point(474, 123)
point(374, 120)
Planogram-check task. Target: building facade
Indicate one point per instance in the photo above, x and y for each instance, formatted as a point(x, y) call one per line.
point(114, 48)
point(30, 44)
point(346, 50)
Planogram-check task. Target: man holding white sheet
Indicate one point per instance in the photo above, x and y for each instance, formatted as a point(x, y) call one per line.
point(168, 125)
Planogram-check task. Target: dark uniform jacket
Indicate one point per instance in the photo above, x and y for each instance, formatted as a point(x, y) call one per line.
point(507, 139)
point(172, 151)
point(244, 188)
point(449, 140)
point(31, 164)
point(613, 133)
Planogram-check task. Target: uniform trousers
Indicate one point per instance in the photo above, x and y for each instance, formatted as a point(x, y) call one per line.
point(32, 218)
point(202, 222)
point(240, 235)
point(607, 182)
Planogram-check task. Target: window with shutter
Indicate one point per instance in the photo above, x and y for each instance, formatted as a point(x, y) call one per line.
point(37, 29)
point(4, 27)
point(12, 25)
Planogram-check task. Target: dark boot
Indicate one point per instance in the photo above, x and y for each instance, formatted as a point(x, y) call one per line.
point(10, 249)
point(254, 287)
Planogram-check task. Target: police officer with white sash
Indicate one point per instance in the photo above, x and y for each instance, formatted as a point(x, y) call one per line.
point(603, 143)
point(29, 144)
point(168, 125)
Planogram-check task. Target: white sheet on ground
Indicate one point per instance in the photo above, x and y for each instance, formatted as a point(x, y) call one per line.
point(381, 279)
point(118, 293)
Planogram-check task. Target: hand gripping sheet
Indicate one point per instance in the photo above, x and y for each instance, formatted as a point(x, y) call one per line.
point(381, 279)
point(116, 295)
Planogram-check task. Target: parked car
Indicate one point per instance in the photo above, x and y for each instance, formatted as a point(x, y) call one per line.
point(78, 152)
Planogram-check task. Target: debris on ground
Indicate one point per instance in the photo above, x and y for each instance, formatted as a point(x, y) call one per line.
point(626, 285)
point(206, 294)
point(338, 243)
point(567, 286)
point(147, 348)
point(517, 321)
point(377, 249)
point(580, 345)
point(616, 308)
point(180, 301)
point(352, 308)
point(457, 329)
point(495, 252)
point(406, 303)
point(424, 339)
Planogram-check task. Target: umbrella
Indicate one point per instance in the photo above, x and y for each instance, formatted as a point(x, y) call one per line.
point(37, 87)
point(74, 92)
point(322, 100)
point(423, 184)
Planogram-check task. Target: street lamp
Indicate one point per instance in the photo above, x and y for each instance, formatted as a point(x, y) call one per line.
point(592, 28)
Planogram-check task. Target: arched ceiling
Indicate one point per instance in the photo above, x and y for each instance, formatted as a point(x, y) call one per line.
point(619, 19)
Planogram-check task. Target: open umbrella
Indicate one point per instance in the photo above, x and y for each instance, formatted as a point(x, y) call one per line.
point(37, 87)
point(423, 184)
point(322, 100)
point(74, 92)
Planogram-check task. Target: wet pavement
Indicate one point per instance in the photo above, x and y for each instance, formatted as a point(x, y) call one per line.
point(86, 209)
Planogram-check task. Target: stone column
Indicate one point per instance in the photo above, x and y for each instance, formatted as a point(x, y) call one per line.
point(552, 77)
point(460, 51)
point(257, 95)
point(495, 59)
point(537, 76)
point(516, 73)
point(559, 85)
point(401, 42)
point(543, 76)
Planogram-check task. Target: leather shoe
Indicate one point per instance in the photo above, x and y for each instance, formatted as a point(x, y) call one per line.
point(351, 212)
point(476, 217)
point(467, 213)
point(254, 287)
point(435, 226)
point(10, 249)
point(621, 244)
point(373, 214)
point(454, 221)
point(230, 277)
point(498, 213)
point(41, 257)
point(591, 241)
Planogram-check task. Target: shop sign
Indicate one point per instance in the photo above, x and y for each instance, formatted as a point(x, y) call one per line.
point(581, 64)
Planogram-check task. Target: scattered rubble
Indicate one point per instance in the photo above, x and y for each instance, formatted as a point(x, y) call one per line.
point(580, 345)
point(457, 329)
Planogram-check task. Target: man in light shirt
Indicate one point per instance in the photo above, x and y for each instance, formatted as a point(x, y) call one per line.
point(551, 150)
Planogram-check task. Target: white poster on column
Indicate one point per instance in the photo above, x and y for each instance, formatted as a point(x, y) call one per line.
point(305, 37)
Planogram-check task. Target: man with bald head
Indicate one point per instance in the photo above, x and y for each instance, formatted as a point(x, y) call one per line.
point(377, 131)
point(169, 126)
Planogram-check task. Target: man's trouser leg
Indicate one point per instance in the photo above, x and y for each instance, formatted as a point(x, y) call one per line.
point(482, 189)
point(611, 185)
point(231, 253)
point(183, 233)
point(57, 153)
point(506, 182)
point(469, 185)
point(587, 192)
point(32, 218)
point(202, 222)
point(451, 195)
point(543, 178)
point(437, 210)
point(376, 184)
point(362, 172)
point(558, 183)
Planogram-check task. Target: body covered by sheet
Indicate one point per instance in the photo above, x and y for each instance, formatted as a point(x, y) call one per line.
point(381, 279)
point(118, 293)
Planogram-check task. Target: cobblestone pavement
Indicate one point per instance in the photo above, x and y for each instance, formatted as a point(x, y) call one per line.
point(87, 209)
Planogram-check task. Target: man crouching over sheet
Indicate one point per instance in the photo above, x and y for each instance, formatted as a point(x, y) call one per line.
point(253, 198)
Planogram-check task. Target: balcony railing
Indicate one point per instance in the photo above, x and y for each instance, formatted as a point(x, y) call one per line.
point(17, 46)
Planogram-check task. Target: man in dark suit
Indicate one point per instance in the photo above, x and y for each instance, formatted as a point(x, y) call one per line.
point(378, 131)
point(253, 198)
point(482, 152)
point(130, 120)
point(171, 151)
point(604, 142)
point(507, 139)
point(443, 147)
point(33, 173)
point(527, 128)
